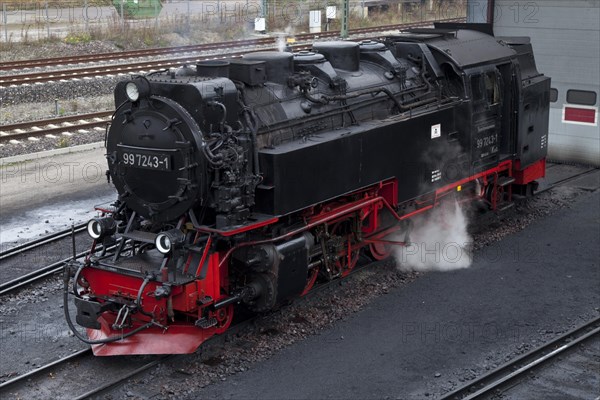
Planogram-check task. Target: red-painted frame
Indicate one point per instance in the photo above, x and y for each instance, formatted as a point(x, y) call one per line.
point(366, 204)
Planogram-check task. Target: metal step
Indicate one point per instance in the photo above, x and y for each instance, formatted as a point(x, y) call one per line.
point(206, 323)
point(505, 180)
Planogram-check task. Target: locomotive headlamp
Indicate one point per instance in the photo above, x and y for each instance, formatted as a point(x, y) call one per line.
point(138, 87)
point(132, 91)
point(168, 240)
point(98, 228)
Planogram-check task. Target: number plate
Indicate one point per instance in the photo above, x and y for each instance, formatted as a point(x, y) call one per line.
point(145, 159)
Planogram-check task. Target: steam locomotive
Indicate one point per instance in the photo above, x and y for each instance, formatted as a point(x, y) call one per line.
point(243, 182)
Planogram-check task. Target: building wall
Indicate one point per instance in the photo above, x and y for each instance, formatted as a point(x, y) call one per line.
point(565, 35)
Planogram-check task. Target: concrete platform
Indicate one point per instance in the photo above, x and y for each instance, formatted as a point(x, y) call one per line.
point(60, 187)
point(426, 338)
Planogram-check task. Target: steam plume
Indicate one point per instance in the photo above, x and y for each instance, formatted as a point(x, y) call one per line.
point(438, 241)
point(281, 43)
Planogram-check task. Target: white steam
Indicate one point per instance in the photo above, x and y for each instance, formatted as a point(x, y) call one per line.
point(282, 38)
point(281, 43)
point(438, 241)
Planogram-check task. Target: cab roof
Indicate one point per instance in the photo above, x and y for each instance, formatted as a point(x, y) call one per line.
point(464, 47)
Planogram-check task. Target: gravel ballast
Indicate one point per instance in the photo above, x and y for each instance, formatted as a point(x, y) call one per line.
point(51, 100)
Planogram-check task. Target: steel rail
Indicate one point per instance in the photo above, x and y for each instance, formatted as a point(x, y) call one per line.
point(514, 369)
point(567, 180)
point(42, 272)
point(36, 275)
point(99, 71)
point(43, 368)
point(55, 121)
point(85, 352)
point(83, 125)
point(123, 378)
point(39, 242)
point(96, 71)
point(45, 127)
point(53, 131)
point(54, 61)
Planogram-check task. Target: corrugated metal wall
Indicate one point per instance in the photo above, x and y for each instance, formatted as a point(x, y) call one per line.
point(566, 41)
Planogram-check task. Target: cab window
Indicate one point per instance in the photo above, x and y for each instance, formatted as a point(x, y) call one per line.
point(491, 88)
point(485, 87)
point(476, 87)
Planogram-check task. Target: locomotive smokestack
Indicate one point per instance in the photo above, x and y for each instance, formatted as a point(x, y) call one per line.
point(213, 68)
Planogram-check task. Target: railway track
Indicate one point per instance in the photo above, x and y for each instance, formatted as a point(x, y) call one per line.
point(154, 65)
point(88, 58)
point(44, 368)
point(33, 244)
point(39, 273)
point(506, 375)
point(55, 126)
point(73, 362)
point(36, 275)
point(100, 71)
point(552, 185)
point(42, 272)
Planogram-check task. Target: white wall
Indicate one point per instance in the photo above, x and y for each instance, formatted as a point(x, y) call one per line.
point(565, 35)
